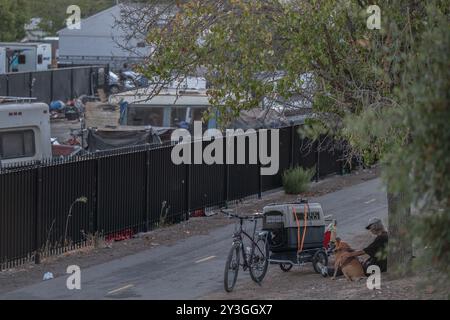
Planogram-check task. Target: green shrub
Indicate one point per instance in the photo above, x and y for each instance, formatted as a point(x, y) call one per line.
point(297, 180)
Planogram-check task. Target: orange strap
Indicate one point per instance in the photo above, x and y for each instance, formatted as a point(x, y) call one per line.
point(306, 225)
point(298, 229)
point(300, 246)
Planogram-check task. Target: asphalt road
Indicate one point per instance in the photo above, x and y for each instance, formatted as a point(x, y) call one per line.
point(194, 268)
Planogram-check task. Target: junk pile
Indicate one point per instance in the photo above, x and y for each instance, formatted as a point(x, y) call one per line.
point(71, 110)
point(108, 139)
point(97, 127)
point(68, 138)
point(104, 131)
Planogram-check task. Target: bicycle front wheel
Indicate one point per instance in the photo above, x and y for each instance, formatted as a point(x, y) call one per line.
point(232, 268)
point(260, 260)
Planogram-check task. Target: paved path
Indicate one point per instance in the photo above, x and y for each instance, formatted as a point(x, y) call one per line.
point(194, 267)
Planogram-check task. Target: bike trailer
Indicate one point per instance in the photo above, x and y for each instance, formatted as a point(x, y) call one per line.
point(283, 221)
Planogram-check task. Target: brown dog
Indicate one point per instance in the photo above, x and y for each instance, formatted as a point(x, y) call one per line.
point(351, 267)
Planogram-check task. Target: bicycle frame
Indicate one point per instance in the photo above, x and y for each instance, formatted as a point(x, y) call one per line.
point(239, 239)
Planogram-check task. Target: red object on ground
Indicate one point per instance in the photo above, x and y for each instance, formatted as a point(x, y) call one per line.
point(198, 214)
point(120, 236)
point(327, 239)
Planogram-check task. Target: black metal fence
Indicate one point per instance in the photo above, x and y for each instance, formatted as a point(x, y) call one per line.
point(128, 190)
point(57, 84)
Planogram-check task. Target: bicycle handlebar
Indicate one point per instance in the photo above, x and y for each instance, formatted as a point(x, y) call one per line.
point(252, 217)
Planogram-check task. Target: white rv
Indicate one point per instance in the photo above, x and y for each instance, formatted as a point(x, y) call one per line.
point(24, 131)
point(180, 104)
point(25, 57)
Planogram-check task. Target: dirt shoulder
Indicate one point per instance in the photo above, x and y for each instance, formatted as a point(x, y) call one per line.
point(302, 283)
point(31, 273)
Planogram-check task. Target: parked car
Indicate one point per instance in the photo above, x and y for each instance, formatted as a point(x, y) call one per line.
point(128, 80)
point(138, 80)
point(114, 83)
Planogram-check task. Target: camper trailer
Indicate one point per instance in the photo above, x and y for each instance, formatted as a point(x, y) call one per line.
point(172, 107)
point(24, 131)
point(25, 57)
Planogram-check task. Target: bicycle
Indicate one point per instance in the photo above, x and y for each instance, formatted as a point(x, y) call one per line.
point(255, 259)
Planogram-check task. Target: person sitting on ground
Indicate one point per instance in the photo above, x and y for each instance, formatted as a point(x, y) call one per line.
point(377, 250)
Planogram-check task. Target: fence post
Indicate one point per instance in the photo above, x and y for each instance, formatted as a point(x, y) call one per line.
point(227, 171)
point(187, 183)
point(97, 196)
point(105, 79)
point(38, 218)
point(91, 82)
point(52, 97)
point(147, 189)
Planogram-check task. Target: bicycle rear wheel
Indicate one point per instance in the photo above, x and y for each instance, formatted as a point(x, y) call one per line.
point(260, 260)
point(232, 268)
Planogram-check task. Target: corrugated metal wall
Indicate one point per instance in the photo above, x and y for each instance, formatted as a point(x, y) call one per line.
point(58, 84)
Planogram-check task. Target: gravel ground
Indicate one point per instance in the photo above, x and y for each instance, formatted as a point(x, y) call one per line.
point(302, 283)
point(87, 257)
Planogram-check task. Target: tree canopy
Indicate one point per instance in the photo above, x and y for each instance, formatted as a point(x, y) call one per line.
point(13, 16)
point(54, 13)
point(385, 91)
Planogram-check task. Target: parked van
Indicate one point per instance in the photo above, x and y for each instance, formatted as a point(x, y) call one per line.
point(25, 57)
point(24, 131)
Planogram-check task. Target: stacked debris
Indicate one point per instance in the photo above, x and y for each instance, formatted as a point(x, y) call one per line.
point(104, 131)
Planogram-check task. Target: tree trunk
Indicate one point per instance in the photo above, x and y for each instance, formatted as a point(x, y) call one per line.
point(400, 243)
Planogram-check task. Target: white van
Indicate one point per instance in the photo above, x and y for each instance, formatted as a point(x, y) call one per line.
point(25, 57)
point(24, 132)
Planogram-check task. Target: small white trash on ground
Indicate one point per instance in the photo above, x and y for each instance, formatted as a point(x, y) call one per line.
point(48, 276)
